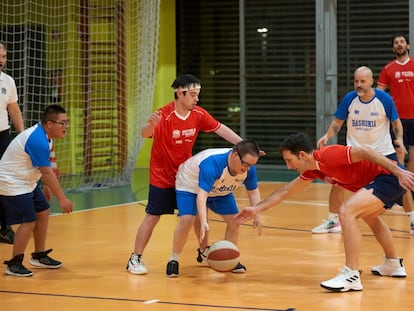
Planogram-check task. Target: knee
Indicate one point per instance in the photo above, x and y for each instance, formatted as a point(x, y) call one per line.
point(152, 220)
point(345, 212)
point(186, 222)
point(29, 225)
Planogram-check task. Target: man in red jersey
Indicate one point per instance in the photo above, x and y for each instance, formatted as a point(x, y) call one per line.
point(398, 76)
point(174, 129)
point(377, 183)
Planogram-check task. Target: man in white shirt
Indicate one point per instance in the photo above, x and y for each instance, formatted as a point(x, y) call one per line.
point(8, 108)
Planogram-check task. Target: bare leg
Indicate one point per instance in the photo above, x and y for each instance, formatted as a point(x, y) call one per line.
point(232, 229)
point(408, 203)
point(144, 232)
point(382, 234)
point(23, 234)
point(40, 230)
point(362, 204)
point(181, 233)
point(336, 198)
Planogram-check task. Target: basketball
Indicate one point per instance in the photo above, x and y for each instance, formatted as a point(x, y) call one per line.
point(223, 256)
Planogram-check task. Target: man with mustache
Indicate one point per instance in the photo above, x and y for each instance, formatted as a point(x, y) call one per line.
point(398, 76)
point(369, 113)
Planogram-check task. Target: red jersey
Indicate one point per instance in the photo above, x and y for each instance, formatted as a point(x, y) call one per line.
point(335, 167)
point(399, 77)
point(174, 138)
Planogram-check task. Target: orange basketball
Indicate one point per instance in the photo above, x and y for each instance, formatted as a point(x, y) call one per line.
point(223, 256)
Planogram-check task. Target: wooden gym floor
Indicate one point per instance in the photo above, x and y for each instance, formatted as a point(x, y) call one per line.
point(284, 265)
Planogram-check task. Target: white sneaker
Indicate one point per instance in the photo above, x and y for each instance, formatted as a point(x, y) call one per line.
point(136, 265)
point(346, 280)
point(390, 267)
point(328, 226)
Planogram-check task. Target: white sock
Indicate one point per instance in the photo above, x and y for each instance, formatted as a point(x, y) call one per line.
point(174, 256)
point(333, 216)
point(411, 215)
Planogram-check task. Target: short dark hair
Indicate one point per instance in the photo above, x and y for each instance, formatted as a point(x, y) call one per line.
point(400, 35)
point(51, 113)
point(247, 146)
point(296, 143)
point(184, 81)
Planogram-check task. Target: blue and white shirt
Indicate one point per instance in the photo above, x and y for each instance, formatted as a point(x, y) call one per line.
point(368, 123)
point(209, 171)
point(19, 166)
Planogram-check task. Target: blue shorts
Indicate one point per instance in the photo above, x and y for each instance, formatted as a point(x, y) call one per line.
point(387, 189)
point(23, 208)
point(161, 201)
point(222, 205)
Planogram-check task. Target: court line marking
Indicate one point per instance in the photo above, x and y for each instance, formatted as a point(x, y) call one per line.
point(220, 307)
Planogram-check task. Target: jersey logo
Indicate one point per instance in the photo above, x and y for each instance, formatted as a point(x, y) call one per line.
point(3, 91)
point(188, 132)
point(175, 134)
point(364, 123)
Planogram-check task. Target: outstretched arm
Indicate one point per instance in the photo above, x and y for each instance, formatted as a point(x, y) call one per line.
point(405, 177)
point(273, 199)
point(228, 134)
point(254, 198)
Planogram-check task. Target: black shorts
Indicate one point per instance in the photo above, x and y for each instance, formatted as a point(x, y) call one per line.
point(387, 189)
point(161, 201)
point(408, 130)
point(5, 139)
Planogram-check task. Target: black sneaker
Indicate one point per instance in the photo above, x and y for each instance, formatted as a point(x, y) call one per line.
point(172, 269)
point(7, 235)
point(239, 268)
point(202, 255)
point(15, 267)
point(42, 260)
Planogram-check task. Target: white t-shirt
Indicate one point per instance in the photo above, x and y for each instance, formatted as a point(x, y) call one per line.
point(8, 94)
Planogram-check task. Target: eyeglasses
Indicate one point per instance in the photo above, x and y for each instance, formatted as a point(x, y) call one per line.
point(244, 163)
point(63, 124)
